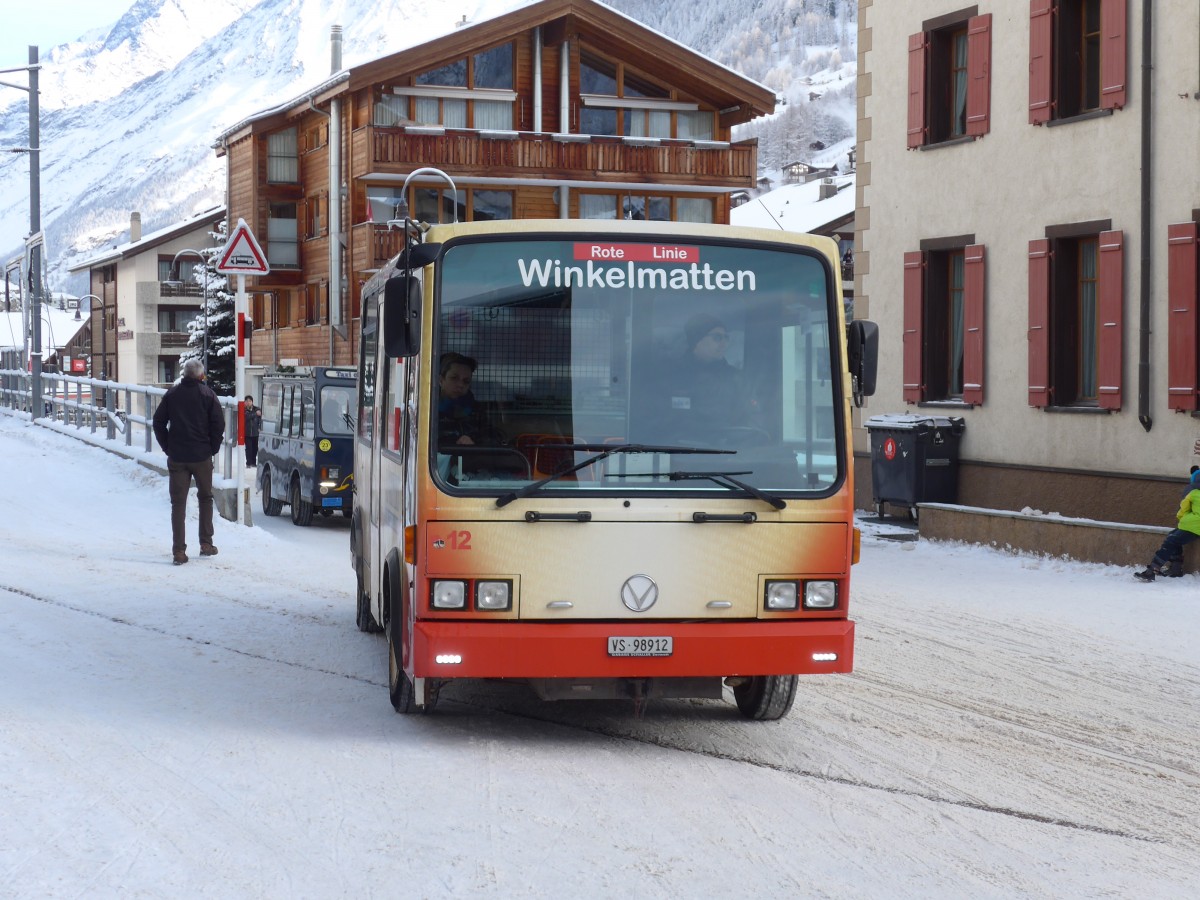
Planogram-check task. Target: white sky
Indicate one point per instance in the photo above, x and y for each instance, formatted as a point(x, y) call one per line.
point(48, 23)
point(1014, 727)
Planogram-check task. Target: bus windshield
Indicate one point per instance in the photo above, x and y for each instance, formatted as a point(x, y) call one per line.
point(546, 349)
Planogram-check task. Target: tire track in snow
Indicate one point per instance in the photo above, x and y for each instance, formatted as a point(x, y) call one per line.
point(651, 740)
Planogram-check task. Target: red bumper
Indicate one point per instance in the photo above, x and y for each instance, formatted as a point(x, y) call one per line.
point(580, 650)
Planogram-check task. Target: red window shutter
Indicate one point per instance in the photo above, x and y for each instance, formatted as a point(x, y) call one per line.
point(1039, 323)
point(918, 54)
point(1041, 45)
point(973, 296)
point(914, 318)
point(1113, 54)
point(979, 74)
point(1183, 296)
point(1110, 310)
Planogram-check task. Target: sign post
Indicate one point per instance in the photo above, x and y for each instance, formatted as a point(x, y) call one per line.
point(242, 256)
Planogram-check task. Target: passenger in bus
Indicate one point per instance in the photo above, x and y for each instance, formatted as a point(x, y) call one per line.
point(707, 392)
point(459, 416)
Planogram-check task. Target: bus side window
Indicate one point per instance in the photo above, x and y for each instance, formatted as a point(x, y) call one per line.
point(366, 381)
point(271, 410)
point(308, 417)
point(289, 411)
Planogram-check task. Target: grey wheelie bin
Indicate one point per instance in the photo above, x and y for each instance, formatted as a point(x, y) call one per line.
point(914, 459)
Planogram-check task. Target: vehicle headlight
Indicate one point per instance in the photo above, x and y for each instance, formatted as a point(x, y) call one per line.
point(494, 595)
point(820, 594)
point(782, 595)
point(449, 594)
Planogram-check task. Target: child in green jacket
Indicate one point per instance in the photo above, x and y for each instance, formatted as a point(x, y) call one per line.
point(1186, 531)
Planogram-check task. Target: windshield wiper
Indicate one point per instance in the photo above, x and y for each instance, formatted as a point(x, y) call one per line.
point(724, 479)
point(599, 451)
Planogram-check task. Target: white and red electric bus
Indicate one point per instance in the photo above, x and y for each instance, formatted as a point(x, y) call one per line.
point(645, 490)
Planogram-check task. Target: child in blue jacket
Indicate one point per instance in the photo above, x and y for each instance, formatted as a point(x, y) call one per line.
point(1170, 554)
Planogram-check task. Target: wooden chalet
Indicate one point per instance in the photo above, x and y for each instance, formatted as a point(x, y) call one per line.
point(559, 109)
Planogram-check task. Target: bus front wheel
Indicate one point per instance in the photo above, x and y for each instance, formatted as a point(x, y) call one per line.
point(766, 697)
point(302, 510)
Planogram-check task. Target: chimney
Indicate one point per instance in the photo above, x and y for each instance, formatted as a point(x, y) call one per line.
point(135, 227)
point(827, 189)
point(462, 23)
point(335, 49)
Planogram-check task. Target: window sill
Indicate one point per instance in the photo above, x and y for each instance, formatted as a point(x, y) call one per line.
point(1093, 410)
point(946, 404)
point(1090, 114)
point(952, 142)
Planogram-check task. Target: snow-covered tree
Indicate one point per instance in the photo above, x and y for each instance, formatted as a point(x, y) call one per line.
point(219, 319)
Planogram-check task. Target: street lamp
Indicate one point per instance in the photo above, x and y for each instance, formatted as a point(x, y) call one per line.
point(204, 262)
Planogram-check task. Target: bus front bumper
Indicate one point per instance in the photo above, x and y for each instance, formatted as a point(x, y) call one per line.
point(514, 649)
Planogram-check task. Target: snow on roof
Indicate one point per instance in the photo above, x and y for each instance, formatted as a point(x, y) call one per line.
point(121, 251)
point(59, 326)
point(798, 207)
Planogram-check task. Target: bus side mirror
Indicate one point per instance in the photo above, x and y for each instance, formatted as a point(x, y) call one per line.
point(402, 316)
point(862, 357)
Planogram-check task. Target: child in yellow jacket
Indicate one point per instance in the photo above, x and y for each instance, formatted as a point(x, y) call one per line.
point(1187, 530)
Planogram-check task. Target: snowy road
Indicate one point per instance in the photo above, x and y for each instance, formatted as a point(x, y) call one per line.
point(1014, 727)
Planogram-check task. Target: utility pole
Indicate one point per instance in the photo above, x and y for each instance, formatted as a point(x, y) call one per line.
point(34, 241)
point(35, 230)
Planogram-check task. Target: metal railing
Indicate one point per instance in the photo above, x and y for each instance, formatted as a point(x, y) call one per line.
point(113, 411)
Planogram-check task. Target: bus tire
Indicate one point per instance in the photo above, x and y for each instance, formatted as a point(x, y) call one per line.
point(364, 618)
point(271, 506)
point(302, 510)
point(766, 697)
point(400, 686)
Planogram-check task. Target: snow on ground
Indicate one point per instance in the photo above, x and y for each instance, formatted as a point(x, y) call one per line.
point(1015, 727)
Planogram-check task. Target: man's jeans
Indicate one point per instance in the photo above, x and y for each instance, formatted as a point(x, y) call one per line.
point(180, 475)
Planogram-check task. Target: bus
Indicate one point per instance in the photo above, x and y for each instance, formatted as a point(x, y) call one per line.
point(306, 447)
point(606, 516)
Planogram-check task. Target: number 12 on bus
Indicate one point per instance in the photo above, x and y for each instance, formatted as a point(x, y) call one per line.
point(612, 460)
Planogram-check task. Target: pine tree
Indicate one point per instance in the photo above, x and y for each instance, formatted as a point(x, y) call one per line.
point(218, 318)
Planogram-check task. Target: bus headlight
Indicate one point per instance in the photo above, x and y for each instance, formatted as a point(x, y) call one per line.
point(782, 594)
point(820, 594)
point(449, 594)
point(493, 595)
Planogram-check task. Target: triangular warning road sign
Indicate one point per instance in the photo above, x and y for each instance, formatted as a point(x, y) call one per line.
point(242, 255)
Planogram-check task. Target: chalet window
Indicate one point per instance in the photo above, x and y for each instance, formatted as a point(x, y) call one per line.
point(617, 100)
point(316, 137)
point(283, 163)
point(693, 209)
point(168, 369)
point(282, 245)
point(949, 79)
point(1076, 308)
point(166, 269)
point(1183, 316)
point(1077, 57)
point(597, 206)
point(491, 205)
point(316, 210)
point(476, 92)
point(644, 207)
point(943, 341)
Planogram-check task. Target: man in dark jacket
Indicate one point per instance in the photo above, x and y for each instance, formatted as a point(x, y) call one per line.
point(251, 428)
point(189, 426)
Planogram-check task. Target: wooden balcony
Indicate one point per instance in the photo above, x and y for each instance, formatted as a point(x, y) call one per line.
point(540, 155)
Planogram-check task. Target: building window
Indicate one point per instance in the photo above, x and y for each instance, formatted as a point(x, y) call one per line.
point(282, 247)
point(474, 92)
point(316, 137)
point(168, 369)
point(1077, 57)
point(491, 205)
point(944, 287)
point(949, 79)
point(316, 209)
point(1076, 308)
point(1183, 318)
point(283, 163)
point(644, 207)
point(173, 320)
point(619, 101)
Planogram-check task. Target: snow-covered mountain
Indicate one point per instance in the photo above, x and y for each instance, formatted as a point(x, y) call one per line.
point(129, 115)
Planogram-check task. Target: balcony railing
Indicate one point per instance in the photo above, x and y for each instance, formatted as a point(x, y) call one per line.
point(180, 289)
point(580, 157)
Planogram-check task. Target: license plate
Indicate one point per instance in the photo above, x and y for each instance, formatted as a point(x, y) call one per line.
point(331, 501)
point(640, 646)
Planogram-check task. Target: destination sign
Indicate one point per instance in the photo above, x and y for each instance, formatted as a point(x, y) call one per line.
point(607, 251)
